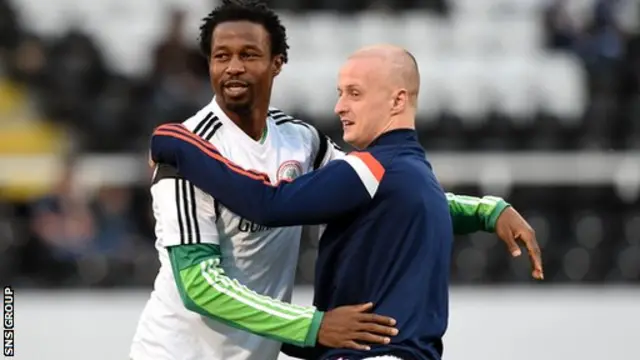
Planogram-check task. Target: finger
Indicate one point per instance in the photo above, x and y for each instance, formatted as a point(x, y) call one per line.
point(529, 240)
point(377, 319)
point(372, 338)
point(379, 329)
point(151, 162)
point(514, 249)
point(363, 307)
point(354, 345)
point(511, 243)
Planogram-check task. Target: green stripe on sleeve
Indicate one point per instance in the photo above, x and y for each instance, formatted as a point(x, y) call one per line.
point(206, 289)
point(471, 214)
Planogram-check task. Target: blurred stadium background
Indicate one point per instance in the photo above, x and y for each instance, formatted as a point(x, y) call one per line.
point(534, 100)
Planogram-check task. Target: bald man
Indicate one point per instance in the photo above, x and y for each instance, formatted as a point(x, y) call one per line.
point(389, 231)
point(378, 89)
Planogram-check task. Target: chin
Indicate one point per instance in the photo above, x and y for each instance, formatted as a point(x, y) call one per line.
point(349, 139)
point(239, 106)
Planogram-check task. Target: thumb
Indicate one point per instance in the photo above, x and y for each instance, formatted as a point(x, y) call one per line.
point(363, 307)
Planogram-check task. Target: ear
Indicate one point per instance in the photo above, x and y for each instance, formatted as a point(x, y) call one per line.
point(400, 101)
point(277, 63)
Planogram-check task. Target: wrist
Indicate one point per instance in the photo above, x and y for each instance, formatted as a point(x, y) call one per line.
point(492, 220)
point(314, 329)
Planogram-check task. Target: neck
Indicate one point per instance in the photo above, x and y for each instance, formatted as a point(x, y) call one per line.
point(253, 122)
point(403, 121)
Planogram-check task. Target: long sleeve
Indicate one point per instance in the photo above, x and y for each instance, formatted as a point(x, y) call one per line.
point(315, 198)
point(471, 214)
point(205, 288)
point(186, 227)
point(186, 216)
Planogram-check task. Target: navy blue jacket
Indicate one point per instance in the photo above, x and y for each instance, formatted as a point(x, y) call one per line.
point(388, 238)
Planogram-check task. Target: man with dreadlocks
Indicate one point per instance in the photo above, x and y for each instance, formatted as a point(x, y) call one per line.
point(225, 283)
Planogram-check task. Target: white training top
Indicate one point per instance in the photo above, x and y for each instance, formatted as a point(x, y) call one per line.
point(260, 258)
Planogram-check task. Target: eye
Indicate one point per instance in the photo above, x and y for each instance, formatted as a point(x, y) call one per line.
point(221, 56)
point(250, 55)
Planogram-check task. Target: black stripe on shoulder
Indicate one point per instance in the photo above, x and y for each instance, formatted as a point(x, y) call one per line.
point(208, 126)
point(281, 118)
point(322, 149)
point(216, 125)
point(204, 124)
point(293, 121)
point(277, 114)
point(165, 171)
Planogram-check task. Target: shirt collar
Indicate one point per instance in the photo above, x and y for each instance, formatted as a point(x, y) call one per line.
point(398, 136)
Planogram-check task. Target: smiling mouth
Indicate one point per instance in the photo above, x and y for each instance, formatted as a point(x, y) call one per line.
point(346, 123)
point(235, 88)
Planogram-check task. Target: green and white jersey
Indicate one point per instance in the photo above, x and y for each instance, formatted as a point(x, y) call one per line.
point(253, 259)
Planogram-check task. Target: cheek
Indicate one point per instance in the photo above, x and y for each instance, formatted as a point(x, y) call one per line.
point(364, 112)
point(215, 72)
point(261, 72)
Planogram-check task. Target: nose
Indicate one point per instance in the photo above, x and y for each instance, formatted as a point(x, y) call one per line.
point(235, 66)
point(341, 106)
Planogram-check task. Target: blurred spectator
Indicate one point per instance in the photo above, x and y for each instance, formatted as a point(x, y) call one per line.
point(561, 29)
point(113, 123)
point(603, 44)
point(62, 221)
point(76, 242)
point(602, 49)
point(180, 79)
point(29, 63)
point(9, 244)
point(172, 54)
point(117, 231)
point(76, 74)
point(9, 27)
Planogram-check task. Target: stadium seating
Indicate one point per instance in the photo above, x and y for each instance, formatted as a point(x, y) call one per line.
point(497, 110)
point(462, 50)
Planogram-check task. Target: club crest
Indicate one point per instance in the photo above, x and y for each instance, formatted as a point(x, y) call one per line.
point(289, 170)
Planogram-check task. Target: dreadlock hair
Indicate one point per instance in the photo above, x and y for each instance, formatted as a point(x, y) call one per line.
point(245, 10)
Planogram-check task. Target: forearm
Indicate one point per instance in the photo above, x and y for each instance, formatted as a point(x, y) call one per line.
point(471, 214)
point(205, 289)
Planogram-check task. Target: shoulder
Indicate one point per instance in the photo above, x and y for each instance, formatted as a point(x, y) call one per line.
point(204, 123)
point(321, 146)
point(296, 131)
point(292, 126)
point(383, 158)
point(393, 166)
